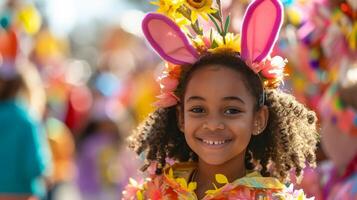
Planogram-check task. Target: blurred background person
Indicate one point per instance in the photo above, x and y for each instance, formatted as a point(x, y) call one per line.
point(104, 166)
point(25, 159)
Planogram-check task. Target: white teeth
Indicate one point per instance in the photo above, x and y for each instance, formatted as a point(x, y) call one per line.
point(210, 142)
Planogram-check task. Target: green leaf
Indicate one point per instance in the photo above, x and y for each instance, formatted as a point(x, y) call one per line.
point(215, 23)
point(216, 15)
point(211, 35)
point(226, 25)
point(214, 44)
point(196, 28)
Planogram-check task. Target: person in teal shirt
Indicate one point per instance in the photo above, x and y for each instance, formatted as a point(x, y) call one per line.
point(24, 152)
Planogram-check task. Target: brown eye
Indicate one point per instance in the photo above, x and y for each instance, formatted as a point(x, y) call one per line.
point(232, 111)
point(197, 110)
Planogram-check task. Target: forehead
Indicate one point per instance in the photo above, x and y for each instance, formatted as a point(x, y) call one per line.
point(217, 81)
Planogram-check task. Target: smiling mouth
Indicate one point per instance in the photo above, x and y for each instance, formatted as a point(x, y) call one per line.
point(214, 142)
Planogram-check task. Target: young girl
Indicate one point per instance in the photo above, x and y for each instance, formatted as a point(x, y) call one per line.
point(232, 134)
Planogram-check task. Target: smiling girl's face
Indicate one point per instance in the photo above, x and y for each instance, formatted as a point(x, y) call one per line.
point(218, 117)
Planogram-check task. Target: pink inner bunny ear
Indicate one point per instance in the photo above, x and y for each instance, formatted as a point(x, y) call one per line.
point(261, 26)
point(168, 40)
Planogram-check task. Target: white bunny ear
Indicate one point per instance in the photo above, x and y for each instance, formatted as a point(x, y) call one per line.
point(261, 26)
point(168, 40)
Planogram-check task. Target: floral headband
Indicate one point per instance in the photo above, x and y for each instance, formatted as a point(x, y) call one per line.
point(175, 34)
point(333, 108)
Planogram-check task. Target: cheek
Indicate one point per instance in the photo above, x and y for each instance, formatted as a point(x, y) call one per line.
point(191, 123)
point(242, 125)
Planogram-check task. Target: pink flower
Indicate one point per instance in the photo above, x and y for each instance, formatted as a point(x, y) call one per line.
point(152, 168)
point(170, 161)
point(270, 68)
point(168, 81)
point(129, 192)
point(274, 68)
point(166, 100)
point(207, 42)
point(168, 84)
point(132, 190)
point(257, 67)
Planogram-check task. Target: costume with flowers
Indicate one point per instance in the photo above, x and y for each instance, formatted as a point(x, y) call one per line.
point(175, 34)
point(175, 183)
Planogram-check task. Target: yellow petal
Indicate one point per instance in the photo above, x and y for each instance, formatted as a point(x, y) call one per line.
point(204, 16)
point(182, 182)
point(139, 195)
point(192, 186)
point(193, 17)
point(171, 173)
point(210, 192)
point(220, 178)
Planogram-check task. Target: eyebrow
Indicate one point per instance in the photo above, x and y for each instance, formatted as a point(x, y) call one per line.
point(235, 98)
point(195, 98)
point(229, 98)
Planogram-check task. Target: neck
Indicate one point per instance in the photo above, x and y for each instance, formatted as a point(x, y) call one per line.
point(232, 169)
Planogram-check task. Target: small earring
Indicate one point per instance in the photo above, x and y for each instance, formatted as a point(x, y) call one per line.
point(256, 124)
point(258, 131)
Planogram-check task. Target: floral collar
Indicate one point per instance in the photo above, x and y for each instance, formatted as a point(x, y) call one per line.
point(178, 178)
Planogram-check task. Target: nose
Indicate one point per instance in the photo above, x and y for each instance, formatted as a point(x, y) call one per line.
point(213, 124)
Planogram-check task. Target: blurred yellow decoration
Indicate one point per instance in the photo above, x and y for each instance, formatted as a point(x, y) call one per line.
point(352, 37)
point(294, 16)
point(30, 19)
point(144, 95)
point(304, 1)
point(47, 45)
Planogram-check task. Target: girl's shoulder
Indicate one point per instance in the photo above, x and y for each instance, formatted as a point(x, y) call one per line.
point(175, 183)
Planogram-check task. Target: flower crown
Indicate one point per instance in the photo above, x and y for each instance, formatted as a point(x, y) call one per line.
point(176, 35)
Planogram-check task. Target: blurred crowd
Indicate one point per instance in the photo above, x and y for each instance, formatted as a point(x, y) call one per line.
point(68, 102)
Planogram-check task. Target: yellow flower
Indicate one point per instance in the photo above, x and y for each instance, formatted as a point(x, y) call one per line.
point(232, 43)
point(169, 8)
point(199, 7)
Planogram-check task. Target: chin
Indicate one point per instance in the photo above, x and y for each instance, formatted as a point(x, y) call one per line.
point(213, 161)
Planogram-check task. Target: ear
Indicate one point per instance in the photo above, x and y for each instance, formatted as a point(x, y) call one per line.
point(261, 26)
point(260, 120)
point(180, 118)
point(168, 40)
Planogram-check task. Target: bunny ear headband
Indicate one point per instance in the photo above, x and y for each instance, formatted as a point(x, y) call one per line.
point(168, 34)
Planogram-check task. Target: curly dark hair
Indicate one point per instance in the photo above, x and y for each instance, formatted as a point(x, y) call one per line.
point(288, 142)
